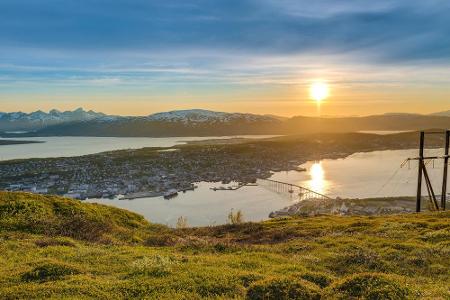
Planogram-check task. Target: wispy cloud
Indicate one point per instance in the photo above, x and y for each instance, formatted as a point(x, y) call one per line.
point(404, 29)
point(188, 43)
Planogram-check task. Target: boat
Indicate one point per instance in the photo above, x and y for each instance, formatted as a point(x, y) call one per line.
point(170, 194)
point(300, 169)
point(190, 188)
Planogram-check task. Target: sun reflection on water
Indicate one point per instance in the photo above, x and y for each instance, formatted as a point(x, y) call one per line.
point(317, 182)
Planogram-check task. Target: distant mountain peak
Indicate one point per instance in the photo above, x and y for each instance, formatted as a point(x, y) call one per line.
point(400, 114)
point(203, 115)
point(445, 113)
point(38, 119)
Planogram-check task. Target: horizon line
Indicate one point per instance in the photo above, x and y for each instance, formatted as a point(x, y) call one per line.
point(220, 111)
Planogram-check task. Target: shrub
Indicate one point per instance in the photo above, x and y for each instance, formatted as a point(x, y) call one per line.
point(59, 241)
point(370, 286)
point(193, 243)
point(248, 279)
point(320, 279)
point(235, 218)
point(182, 223)
point(160, 240)
point(49, 271)
point(437, 236)
point(82, 227)
point(156, 266)
point(282, 288)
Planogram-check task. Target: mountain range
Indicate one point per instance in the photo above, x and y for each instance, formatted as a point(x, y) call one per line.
point(19, 121)
point(198, 122)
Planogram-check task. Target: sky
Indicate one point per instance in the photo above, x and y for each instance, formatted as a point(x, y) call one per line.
point(136, 57)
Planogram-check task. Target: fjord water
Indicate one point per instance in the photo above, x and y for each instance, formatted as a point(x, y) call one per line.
point(366, 174)
point(204, 207)
point(361, 175)
point(76, 146)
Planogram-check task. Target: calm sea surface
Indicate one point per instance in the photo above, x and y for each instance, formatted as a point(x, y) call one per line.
point(76, 146)
point(361, 175)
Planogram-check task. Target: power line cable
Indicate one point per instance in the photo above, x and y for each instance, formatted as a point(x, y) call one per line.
point(388, 181)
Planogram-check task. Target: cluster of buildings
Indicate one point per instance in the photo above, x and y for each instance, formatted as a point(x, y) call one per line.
point(153, 172)
point(145, 172)
point(344, 207)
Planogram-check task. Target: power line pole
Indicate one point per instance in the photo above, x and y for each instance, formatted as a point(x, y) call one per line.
point(419, 179)
point(444, 176)
point(422, 171)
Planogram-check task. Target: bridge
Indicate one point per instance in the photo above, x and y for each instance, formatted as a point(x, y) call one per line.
point(296, 190)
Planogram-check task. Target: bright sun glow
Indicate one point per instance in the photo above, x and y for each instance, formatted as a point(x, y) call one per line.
point(319, 91)
point(317, 182)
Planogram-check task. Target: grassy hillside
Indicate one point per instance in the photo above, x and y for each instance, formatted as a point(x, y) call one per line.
point(53, 247)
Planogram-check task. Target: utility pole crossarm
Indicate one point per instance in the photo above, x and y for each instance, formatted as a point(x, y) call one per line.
point(428, 157)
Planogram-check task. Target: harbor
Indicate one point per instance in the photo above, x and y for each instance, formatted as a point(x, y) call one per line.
point(210, 202)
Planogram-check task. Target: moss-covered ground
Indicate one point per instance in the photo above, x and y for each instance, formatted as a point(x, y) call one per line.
point(58, 248)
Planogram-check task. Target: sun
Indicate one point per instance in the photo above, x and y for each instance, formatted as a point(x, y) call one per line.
point(319, 91)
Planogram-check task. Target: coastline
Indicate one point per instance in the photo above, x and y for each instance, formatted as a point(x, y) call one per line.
point(17, 142)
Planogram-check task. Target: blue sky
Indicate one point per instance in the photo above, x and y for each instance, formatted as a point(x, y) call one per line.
point(141, 56)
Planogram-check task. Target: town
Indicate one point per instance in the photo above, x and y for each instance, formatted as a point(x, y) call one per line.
point(132, 173)
point(151, 172)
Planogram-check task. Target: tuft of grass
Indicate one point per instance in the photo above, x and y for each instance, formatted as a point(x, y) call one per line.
point(320, 279)
point(155, 265)
point(56, 241)
point(437, 236)
point(371, 286)
point(357, 258)
point(282, 289)
point(250, 278)
point(49, 271)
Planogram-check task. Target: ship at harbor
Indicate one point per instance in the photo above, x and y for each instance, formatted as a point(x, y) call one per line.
point(170, 194)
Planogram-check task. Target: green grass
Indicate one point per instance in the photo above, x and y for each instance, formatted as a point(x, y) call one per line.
point(44, 254)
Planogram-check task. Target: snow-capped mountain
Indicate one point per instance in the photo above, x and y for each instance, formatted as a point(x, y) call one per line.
point(57, 120)
point(39, 119)
point(194, 122)
point(199, 122)
point(202, 116)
